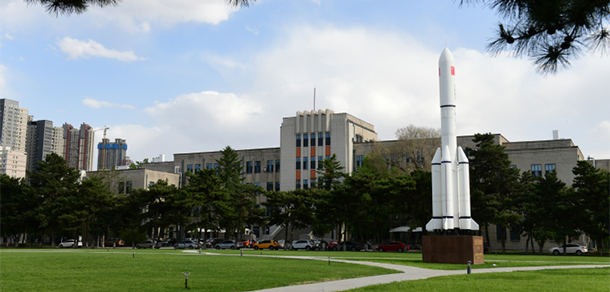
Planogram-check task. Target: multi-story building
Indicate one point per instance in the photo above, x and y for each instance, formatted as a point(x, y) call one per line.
point(111, 154)
point(13, 125)
point(12, 163)
point(42, 140)
point(310, 137)
point(78, 149)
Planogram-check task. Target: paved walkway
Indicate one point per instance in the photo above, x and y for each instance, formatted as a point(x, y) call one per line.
point(408, 273)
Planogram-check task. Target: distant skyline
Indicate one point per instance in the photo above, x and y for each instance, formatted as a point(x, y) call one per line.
point(195, 76)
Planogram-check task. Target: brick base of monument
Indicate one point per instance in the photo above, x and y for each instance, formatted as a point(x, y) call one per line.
point(453, 249)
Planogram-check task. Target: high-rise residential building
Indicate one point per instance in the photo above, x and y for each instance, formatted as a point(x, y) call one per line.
point(111, 154)
point(42, 140)
point(78, 147)
point(12, 163)
point(13, 125)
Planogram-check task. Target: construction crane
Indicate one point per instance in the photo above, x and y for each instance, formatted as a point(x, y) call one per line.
point(103, 166)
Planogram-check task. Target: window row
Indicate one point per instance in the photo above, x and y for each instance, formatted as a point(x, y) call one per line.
point(306, 183)
point(307, 164)
point(305, 139)
point(537, 169)
point(255, 166)
point(125, 187)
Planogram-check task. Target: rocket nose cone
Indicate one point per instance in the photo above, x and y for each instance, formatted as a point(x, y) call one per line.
point(446, 56)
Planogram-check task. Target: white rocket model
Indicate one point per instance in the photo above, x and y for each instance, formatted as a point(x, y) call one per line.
point(450, 176)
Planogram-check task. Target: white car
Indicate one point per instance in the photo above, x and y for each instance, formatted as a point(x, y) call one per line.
point(570, 248)
point(229, 244)
point(304, 244)
point(70, 243)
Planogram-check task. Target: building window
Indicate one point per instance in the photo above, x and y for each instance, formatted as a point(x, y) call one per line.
point(277, 186)
point(269, 165)
point(298, 163)
point(298, 184)
point(313, 182)
point(320, 160)
point(197, 168)
point(500, 232)
point(305, 184)
point(313, 140)
point(269, 186)
point(121, 187)
point(359, 160)
point(257, 167)
point(248, 166)
point(313, 163)
point(277, 166)
point(548, 168)
point(189, 168)
point(515, 236)
point(150, 184)
point(536, 170)
point(128, 187)
point(305, 162)
point(327, 139)
point(305, 140)
point(320, 139)
point(299, 140)
point(209, 166)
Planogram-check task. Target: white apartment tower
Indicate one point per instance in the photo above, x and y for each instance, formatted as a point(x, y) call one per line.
point(312, 136)
point(13, 125)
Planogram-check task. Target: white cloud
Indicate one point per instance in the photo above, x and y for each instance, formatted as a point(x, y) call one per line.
point(96, 104)
point(8, 36)
point(77, 49)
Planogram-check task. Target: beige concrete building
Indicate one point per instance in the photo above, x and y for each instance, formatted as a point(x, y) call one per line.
point(12, 163)
point(124, 181)
point(13, 125)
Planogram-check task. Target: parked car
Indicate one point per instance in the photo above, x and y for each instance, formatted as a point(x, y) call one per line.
point(146, 244)
point(392, 246)
point(114, 242)
point(166, 243)
point(212, 242)
point(570, 248)
point(332, 245)
point(304, 244)
point(270, 244)
point(70, 243)
point(187, 243)
point(347, 245)
point(229, 244)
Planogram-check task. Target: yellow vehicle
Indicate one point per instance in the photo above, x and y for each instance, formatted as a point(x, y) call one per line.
point(270, 244)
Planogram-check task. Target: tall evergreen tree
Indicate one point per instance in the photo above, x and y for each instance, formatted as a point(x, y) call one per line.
point(55, 184)
point(591, 187)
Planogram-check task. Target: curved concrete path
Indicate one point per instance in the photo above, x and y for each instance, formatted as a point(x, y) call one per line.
point(408, 273)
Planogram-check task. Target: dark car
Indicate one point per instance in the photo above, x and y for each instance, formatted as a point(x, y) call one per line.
point(347, 245)
point(392, 246)
point(166, 243)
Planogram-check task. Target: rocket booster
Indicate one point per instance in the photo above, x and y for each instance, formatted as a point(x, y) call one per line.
point(450, 174)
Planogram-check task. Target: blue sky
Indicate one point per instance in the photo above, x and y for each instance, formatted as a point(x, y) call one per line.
point(192, 76)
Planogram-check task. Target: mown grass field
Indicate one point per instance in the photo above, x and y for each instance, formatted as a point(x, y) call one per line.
point(161, 270)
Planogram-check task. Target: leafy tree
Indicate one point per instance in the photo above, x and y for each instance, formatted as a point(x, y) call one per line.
point(591, 186)
point(160, 204)
point(16, 208)
point(207, 199)
point(138, 164)
point(54, 183)
point(420, 203)
point(551, 32)
point(96, 202)
point(493, 182)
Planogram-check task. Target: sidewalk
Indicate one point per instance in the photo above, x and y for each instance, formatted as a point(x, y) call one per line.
point(408, 273)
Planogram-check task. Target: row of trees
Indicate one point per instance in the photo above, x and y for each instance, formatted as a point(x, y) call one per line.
point(362, 206)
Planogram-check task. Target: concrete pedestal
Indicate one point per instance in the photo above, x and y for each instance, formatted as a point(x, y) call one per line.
point(453, 249)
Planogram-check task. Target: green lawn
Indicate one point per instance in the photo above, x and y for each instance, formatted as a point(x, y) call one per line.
point(560, 280)
point(161, 270)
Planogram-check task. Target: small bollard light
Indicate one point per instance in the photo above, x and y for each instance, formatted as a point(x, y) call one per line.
point(329, 261)
point(468, 268)
point(242, 252)
point(186, 280)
